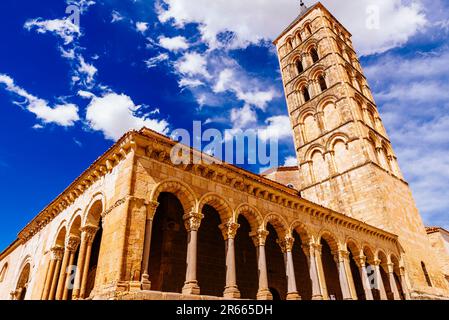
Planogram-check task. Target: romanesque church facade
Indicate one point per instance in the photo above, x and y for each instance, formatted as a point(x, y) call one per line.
point(341, 225)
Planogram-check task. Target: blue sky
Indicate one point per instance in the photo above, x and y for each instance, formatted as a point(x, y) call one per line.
point(67, 93)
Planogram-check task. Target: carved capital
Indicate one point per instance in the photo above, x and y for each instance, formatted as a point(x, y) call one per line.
point(360, 261)
point(229, 230)
point(286, 244)
point(343, 255)
point(151, 209)
point(316, 248)
point(73, 243)
point(192, 221)
point(376, 262)
point(57, 253)
point(89, 232)
point(259, 237)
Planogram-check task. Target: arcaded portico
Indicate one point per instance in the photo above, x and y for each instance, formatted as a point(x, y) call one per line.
point(136, 226)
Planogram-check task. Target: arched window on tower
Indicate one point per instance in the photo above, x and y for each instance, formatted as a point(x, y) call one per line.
point(306, 94)
point(298, 37)
point(289, 44)
point(322, 83)
point(426, 274)
point(299, 66)
point(314, 55)
point(308, 29)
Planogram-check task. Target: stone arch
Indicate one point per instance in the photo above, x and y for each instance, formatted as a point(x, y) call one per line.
point(279, 224)
point(330, 238)
point(60, 236)
point(92, 213)
point(317, 71)
point(325, 101)
point(306, 113)
point(353, 246)
point(331, 115)
point(301, 229)
point(335, 138)
point(182, 191)
point(319, 165)
point(312, 149)
point(75, 224)
point(251, 214)
point(23, 278)
point(218, 203)
point(310, 44)
point(3, 271)
point(301, 83)
point(369, 253)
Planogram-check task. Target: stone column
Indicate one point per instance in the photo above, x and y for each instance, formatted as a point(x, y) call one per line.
point(80, 262)
point(309, 251)
point(378, 279)
point(48, 265)
point(151, 210)
point(70, 248)
point(343, 276)
point(259, 238)
point(90, 236)
point(393, 286)
point(287, 246)
point(57, 252)
point(361, 263)
point(404, 284)
point(50, 273)
point(321, 276)
point(192, 223)
point(229, 231)
point(72, 245)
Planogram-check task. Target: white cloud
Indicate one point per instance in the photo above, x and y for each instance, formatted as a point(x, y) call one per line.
point(190, 83)
point(243, 117)
point(86, 69)
point(141, 26)
point(174, 44)
point(155, 61)
point(62, 114)
point(64, 28)
point(116, 16)
point(85, 94)
point(257, 20)
point(193, 64)
point(291, 162)
point(115, 114)
point(277, 127)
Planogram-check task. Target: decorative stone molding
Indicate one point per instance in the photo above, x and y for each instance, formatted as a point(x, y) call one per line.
point(192, 221)
point(286, 244)
point(73, 243)
point(89, 232)
point(57, 253)
point(229, 230)
point(259, 237)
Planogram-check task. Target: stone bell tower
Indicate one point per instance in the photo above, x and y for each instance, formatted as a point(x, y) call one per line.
point(346, 160)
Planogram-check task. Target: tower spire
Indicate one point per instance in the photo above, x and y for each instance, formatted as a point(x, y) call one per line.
point(302, 6)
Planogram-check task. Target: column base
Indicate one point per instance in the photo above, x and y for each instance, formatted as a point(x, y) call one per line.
point(317, 297)
point(135, 286)
point(191, 288)
point(232, 292)
point(293, 296)
point(146, 283)
point(264, 295)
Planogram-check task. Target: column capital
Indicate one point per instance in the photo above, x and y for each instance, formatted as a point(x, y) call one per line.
point(259, 237)
point(360, 261)
point(229, 230)
point(390, 267)
point(316, 247)
point(89, 232)
point(343, 254)
point(151, 209)
point(192, 221)
point(286, 244)
point(57, 253)
point(72, 243)
point(377, 262)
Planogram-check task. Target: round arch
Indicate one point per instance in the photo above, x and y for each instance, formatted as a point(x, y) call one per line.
point(218, 203)
point(181, 190)
point(279, 224)
point(96, 206)
point(251, 214)
point(301, 229)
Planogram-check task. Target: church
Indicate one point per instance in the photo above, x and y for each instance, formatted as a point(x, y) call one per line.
point(342, 225)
